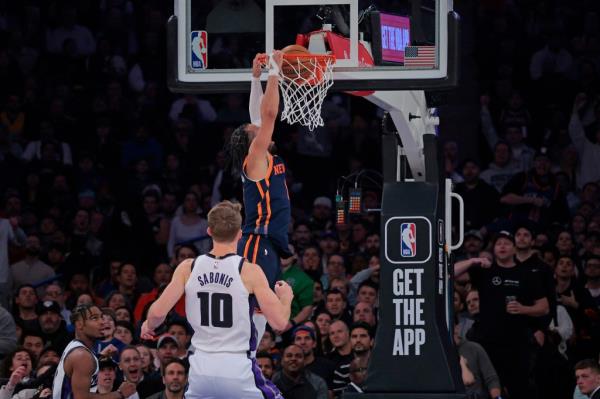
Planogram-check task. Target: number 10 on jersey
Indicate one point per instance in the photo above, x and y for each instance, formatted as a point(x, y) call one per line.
point(215, 309)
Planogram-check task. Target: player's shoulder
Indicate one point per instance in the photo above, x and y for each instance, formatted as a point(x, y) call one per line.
point(249, 266)
point(251, 270)
point(186, 264)
point(184, 269)
point(81, 356)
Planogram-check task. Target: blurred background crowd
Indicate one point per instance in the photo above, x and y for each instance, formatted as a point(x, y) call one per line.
point(106, 179)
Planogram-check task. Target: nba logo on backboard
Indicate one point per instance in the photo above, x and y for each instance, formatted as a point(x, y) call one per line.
point(199, 51)
point(408, 240)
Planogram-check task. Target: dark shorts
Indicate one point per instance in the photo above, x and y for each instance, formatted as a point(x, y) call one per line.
point(259, 249)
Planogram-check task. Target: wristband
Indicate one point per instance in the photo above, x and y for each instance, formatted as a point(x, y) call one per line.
point(273, 67)
point(255, 79)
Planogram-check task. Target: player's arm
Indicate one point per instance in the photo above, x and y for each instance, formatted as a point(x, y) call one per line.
point(256, 92)
point(163, 305)
point(82, 367)
point(275, 307)
point(256, 166)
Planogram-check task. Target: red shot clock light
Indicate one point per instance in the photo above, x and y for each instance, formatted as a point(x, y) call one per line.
point(354, 201)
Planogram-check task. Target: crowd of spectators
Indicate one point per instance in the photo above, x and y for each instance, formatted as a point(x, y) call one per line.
point(106, 178)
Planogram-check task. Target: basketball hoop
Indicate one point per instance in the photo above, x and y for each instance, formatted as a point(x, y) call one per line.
point(304, 81)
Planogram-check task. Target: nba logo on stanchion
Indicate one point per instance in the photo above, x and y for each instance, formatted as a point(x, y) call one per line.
point(199, 51)
point(408, 240)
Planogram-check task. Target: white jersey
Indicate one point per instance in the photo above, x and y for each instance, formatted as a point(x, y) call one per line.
point(61, 386)
point(218, 305)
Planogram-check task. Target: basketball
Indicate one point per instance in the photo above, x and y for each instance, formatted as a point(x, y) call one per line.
point(295, 49)
point(296, 66)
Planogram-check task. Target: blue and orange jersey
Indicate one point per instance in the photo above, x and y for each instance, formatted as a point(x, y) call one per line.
point(267, 205)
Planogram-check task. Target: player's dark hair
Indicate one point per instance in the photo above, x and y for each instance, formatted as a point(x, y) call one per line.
point(81, 312)
point(236, 150)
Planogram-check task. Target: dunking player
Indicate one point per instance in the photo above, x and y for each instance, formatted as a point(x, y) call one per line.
point(221, 289)
point(266, 199)
point(77, 371)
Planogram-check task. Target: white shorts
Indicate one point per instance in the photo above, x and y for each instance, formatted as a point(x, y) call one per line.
point(227, 376)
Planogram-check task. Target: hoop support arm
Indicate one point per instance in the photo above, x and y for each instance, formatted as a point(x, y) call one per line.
point(412, 119)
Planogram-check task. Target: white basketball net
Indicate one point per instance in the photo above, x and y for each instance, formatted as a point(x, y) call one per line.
point(304, 87)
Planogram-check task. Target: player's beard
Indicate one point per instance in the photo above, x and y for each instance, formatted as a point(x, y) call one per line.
point(93, 336)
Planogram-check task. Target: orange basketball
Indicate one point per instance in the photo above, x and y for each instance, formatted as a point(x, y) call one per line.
point(300, 69)
point(294, 49)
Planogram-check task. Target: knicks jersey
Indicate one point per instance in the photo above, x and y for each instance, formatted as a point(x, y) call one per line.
point(218, 305)
point(267, 204)
point(61, 386)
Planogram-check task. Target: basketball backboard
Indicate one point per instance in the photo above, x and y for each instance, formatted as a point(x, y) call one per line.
point(378, 44)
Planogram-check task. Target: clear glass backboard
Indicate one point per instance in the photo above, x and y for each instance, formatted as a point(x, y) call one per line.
point(378, 44)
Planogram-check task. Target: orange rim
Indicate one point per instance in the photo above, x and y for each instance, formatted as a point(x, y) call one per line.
point(322, 59)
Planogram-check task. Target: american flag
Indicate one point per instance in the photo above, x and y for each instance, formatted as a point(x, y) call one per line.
point(419, 56)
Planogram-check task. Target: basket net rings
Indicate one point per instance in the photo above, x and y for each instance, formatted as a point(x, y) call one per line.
point(304, 82)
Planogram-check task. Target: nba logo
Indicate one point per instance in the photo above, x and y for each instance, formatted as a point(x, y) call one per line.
point(199, 51)
point(408, 240)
